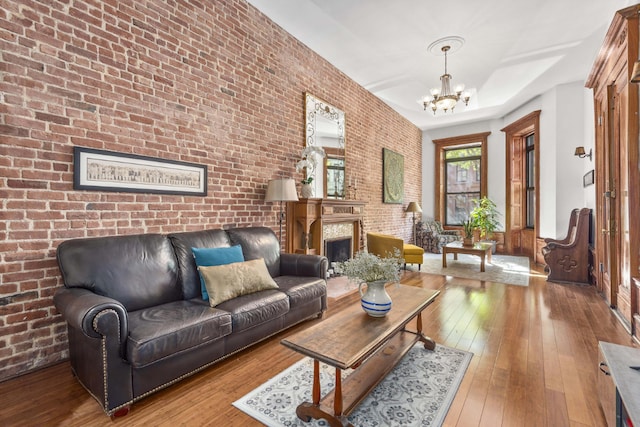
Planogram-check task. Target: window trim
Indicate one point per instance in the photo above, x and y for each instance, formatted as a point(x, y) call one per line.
point(440, 147)
point(513, 135)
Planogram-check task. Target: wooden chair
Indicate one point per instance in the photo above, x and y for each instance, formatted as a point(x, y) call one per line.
point(568, 259)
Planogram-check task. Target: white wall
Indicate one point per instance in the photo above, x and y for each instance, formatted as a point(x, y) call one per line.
point(566, 121)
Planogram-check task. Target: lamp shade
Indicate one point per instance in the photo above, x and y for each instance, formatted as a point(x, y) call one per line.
point(414, 207)
point(579, 151)
point(282, 190)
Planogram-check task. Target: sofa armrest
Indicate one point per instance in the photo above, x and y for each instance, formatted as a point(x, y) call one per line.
point(304, 265)
point(97, 332)
point(82, 309)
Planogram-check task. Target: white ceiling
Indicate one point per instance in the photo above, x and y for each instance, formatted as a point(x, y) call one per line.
point(514, 49)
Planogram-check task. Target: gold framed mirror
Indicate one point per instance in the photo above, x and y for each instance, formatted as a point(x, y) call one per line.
point(325, 127)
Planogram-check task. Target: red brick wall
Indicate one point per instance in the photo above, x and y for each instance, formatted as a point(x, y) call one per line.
point(211, 82)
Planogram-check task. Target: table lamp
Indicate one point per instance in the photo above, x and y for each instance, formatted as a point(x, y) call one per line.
point(413, 208)
point(281, 190)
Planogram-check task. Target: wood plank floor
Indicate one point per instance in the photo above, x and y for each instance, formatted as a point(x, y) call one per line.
point(535, 364)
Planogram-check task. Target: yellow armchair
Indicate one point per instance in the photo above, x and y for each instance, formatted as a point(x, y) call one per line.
point(383, 245)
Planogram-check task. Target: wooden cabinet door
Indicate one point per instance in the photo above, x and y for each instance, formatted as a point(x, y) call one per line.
point(606, 391)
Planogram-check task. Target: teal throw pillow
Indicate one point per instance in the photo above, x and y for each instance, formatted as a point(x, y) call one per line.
point(208, 257)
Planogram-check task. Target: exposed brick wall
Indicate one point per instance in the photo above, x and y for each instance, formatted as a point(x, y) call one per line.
point(209, 82)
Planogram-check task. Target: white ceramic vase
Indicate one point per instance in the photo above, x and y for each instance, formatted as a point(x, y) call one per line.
point(376, 302)
point(306, 192)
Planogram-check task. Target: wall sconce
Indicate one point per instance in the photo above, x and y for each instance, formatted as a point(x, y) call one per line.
point(635, 74)
point(582, 154)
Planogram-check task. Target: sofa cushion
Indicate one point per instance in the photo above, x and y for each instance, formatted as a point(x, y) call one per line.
point(228, 281)
point(182, 244)
point(207, 257)
point(256, 308)
point(301, 290)
point(258, 242)
point(161, 331)
point(138, 270)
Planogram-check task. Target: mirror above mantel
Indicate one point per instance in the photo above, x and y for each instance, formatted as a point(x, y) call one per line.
point(325, 127)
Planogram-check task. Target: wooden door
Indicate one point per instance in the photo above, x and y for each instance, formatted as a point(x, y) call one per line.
point(607, 221)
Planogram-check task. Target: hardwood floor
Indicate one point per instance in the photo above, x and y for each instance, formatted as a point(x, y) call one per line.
point(534, 364)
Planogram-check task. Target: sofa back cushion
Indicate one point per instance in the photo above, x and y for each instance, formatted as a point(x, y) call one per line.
point(207, 257)
point(258, 242)
point(182, 244)
point(139, 271)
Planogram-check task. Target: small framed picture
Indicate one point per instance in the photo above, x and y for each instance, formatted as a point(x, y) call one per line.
point(587, 179)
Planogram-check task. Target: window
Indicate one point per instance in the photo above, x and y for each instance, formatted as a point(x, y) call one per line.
point(530, 200)
point(522, 167)
point(461, 190)
point(460, 176)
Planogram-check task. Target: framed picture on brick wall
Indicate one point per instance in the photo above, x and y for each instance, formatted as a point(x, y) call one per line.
point(392, 176)
point(101, 170)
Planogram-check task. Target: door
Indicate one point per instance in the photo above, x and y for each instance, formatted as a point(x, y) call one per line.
point(607, 221)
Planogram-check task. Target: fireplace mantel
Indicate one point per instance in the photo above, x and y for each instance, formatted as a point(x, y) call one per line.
point(307, 220)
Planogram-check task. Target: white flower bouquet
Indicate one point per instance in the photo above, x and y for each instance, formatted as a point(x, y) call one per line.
point(367, 267)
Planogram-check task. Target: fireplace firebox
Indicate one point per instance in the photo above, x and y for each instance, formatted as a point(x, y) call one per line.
point(338, 250)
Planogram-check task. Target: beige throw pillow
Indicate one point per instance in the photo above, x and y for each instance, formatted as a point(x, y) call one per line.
point(224, 282)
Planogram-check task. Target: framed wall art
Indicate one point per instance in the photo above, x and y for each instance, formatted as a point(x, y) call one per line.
point(392, 176)
point(102, 170)
point(588, 178)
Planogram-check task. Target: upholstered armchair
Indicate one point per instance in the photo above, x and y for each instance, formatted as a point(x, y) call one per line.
point(384, 245)
point(432, 237)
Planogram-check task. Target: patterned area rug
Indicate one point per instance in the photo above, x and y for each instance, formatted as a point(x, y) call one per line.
point(417, 392)
point(512, 270)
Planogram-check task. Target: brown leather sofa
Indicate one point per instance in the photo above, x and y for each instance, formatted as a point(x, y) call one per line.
point(136, 318)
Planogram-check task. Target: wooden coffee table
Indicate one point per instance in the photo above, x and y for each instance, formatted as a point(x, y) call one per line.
point(371, 346)
point(483, 250)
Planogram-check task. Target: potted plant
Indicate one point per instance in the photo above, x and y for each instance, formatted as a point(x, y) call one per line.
point(308, 163)
point(376, 272)
point(468, 227)
point(485, 217)
point(306, 191)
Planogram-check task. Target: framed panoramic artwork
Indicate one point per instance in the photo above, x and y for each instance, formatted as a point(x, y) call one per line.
point(110, 171)
point(392, 176)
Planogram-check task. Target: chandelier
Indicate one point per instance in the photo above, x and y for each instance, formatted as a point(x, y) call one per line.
point(444, 98)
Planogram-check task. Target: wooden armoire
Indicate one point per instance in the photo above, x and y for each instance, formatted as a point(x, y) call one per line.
point(617, 213)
